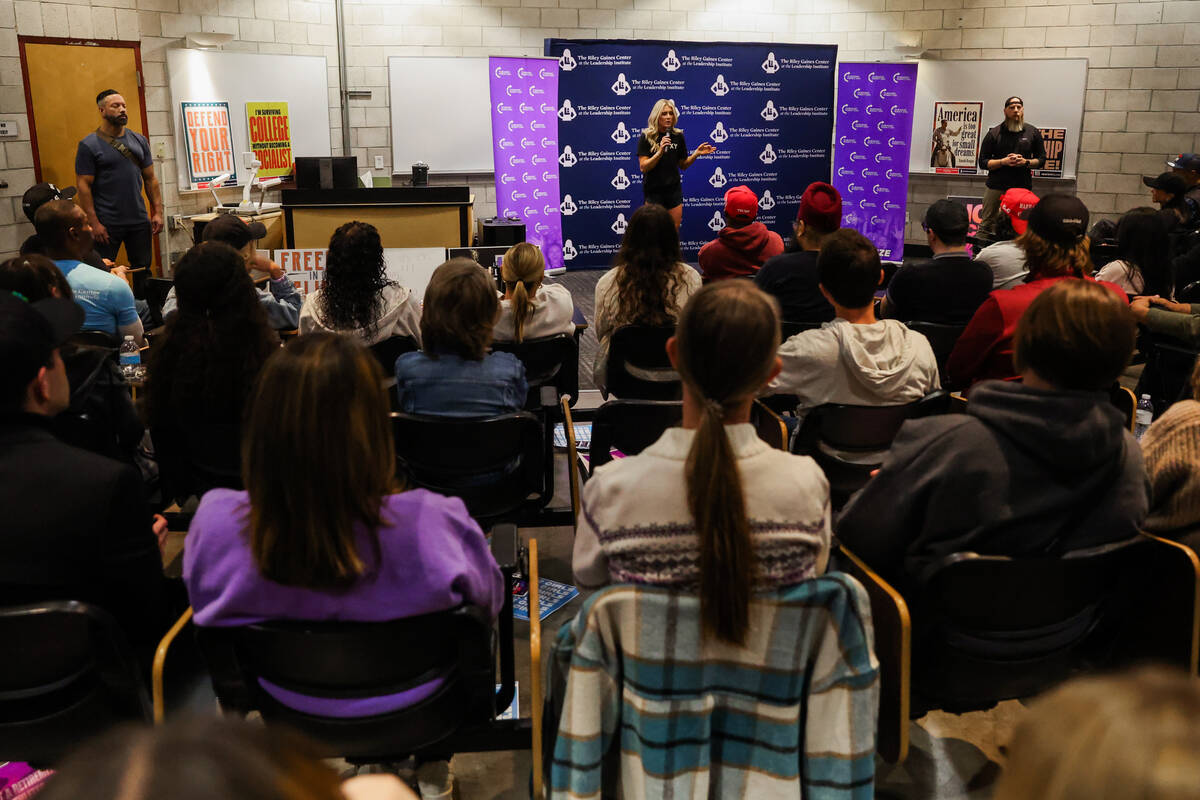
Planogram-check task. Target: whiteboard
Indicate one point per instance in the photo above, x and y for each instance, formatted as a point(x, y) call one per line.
point(239, 78)
point(441, 113)
point(1052, 88)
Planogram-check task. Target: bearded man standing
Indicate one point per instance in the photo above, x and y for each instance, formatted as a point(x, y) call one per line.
point(1009, 152)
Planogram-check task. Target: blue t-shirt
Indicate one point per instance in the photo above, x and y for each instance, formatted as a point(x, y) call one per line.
point(451, 386)
point(117, 187)
point(106, 300)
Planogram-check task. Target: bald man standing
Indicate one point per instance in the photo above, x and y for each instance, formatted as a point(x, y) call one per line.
point(1009, 153)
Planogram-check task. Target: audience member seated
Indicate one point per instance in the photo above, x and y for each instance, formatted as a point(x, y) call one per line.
point(282, 302)
point(1005, 258)
point(324, 530)
point(1033, 468)
point(531, 309)
point(37, 196)
point(107, 300)
point(357, 298)
point(1177, 320)
point(743, 245)
point(1172, 450)
point(949, 287)
point(1169, 192)
point(710, 507)
point(213, 347)
point(857, 358)
point(791, 277)
point(100, 416)
point(1108, 736)
point(649, 285)
point(208, 758)
point(1056, 249)
point(455, 375)
point(76, 525)
point(1142, 245)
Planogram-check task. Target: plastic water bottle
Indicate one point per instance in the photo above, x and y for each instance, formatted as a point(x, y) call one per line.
point(131, 359)
point(1144, 416)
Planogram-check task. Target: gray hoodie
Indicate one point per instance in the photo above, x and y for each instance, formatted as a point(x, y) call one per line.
point(1023, 472)
point(872, 365)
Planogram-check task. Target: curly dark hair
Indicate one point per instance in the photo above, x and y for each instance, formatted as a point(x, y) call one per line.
point(354, 278)
point(647, 282)
point(213, 346)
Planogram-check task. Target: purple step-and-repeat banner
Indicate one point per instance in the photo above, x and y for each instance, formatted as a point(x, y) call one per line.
point(872, 139)
point(767, 108)
point(525, 148)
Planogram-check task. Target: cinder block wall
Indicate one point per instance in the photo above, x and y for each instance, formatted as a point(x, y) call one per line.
point(1143, 91)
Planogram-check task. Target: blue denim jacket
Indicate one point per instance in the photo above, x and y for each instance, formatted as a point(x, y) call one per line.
point(452, 386)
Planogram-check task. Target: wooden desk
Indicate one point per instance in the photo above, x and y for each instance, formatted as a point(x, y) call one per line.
point(273, 220)
point(406, 216)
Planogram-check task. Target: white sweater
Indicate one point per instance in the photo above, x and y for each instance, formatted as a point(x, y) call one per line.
point(635, 526)
point(553, 313)
point(400, 316)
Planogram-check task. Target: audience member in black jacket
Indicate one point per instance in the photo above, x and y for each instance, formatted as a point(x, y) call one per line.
point(75, 524)
point(791, 277)
point(1042, 466)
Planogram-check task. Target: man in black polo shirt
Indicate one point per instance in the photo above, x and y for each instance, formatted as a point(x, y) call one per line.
point(1009, 152)
point(949, 287)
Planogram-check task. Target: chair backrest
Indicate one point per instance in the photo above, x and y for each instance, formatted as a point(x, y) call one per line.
point(549, 361)
point(994, 628)
point(942, 339)
point(353, 660)
point(497, 465)
point(99, 339)
point(871, 428)
point(630, 426)
point(68, 673)
point(789, 328)
point(195, 458)
point(1125, 402)
point(808, 647)
point(387, 351)
point(638, 367)
point(157, 290)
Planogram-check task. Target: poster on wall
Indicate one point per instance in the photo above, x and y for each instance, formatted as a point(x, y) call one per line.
point(766, 108)
point(1055, 141)
point(974, 207)
point(872, 136)
point(270, 138)
point(305, 268)
point(209, 141)
point(957, 133)
point(524, 94)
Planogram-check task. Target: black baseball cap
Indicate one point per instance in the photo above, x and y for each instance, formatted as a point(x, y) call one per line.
point(1059, 218)
point(39, 194)
point(947, 218)
point(233, 231)
point(1167, 182)
point(30, 332)
point(1188, 161)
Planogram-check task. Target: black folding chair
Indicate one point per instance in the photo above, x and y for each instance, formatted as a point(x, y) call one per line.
point(630, 426)
point(942, 339)
point(343, 660)
point(67, 674)
point(549, 361)
point(157, 290)
point(848, 441)
point(195, 458)
point(638, 367)
point(387, 351)
point(789, 328)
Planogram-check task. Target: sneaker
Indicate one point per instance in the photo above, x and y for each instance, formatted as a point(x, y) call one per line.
point(435, 780)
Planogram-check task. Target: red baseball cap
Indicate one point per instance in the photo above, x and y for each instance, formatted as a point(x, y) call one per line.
point(1017, 203)
point(741, 204)
point(821, 207)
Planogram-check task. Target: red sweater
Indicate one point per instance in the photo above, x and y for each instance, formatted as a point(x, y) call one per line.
point(985, 349)
point(738, 252)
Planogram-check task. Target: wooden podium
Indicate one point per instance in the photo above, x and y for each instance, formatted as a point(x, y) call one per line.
point(406, 216)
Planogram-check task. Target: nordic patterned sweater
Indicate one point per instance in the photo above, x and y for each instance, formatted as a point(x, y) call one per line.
point(635, 526)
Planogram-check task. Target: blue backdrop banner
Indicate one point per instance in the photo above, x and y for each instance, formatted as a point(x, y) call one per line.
point(767, 108)
point(870, 150)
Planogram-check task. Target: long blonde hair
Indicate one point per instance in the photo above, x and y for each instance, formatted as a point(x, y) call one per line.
point(652, 123)
point(1109, 738)
point(522, 270)
point(726, 341)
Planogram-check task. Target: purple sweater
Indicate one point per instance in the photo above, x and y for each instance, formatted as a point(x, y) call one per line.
point(434, 557)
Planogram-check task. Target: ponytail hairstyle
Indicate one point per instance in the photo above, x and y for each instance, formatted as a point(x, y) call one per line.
point(522, 270)
point(725, 342)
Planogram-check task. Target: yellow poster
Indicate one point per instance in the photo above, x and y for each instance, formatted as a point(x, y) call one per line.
point(270, 138)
